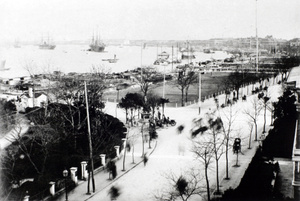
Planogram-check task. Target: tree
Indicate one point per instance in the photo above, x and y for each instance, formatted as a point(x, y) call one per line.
point(285, 107)
point(265, 104)
point(283, 64)
point(7, 115)
point(203, 150)
point(153, 101)
point(183, 187)
point(253, 113)
point(163, 101)
point(228, 117)
point(30, 156)
point(214, 129)
point(282, 134)
point(186, 76)
point(133, 135)
point(131, 101)
point(144, 80)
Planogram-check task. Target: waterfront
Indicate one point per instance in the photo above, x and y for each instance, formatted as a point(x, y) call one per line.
point(76, 58)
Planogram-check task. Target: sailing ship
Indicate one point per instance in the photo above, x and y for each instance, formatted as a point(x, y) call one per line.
point(46, 44)
point(97, 44)
point(187, 53)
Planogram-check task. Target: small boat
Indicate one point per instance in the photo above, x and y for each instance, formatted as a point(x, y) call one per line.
point(114, 60)
point(2, 66)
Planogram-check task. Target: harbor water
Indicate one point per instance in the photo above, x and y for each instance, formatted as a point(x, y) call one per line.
point(75, 58)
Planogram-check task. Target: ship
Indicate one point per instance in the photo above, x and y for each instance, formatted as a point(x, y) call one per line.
point(97, 44)
point(2, 65)
point(46, 44)
point(188, 52)
point(162, 58)
point(114, 60)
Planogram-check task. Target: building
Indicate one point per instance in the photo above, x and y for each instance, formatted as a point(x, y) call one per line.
point(31, 99)
point(295, 42)
point(293, 82)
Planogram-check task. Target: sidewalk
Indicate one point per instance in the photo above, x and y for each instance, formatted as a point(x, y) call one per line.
point(102, 181)
point(103, 184)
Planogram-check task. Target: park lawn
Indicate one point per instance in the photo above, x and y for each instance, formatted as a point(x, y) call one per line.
point(211, 83)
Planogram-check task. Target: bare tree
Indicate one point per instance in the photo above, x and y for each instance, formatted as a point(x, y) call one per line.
point(144, 79)
point(265, 104)
point(183, 187)
point(133, 135)
point(203, 149)
point(186, 76)
point(213, 128)
point(228, 117)
point(253, 113)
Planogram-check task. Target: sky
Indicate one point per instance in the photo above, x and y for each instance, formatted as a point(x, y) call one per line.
point(148, 19)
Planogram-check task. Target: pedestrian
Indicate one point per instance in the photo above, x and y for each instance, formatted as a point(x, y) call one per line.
point(164, 118)
point(114, 170)
point(145, 159)
point(167, 121)
point(159, 115)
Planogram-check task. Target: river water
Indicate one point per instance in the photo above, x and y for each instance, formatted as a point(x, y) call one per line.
point(76, 58)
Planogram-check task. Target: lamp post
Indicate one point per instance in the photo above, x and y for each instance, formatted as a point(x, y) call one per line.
point(65, 174)
point(256, 37)
point(164, 81)
point(199, 97)
point(117, 101)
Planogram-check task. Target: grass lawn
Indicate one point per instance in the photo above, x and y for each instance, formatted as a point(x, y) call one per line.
point(211, 83)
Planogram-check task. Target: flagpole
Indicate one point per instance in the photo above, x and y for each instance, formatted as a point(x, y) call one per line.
point(91, 168)
point(199, 97)
point(256, 37)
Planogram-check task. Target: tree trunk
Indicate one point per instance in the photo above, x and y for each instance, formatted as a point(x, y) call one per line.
point(217, 175)
point(255, 131)
point(207, 183)
point(124, 156)
point(186, 94)
point(133, 153)
point(226, 154)
point(265, 116)
point(182, 97)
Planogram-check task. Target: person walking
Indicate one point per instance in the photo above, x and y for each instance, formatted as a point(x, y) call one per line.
point(145, 159)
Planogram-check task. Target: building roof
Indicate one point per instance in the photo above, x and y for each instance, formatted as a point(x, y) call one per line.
point(36, 94)
point(294, 75)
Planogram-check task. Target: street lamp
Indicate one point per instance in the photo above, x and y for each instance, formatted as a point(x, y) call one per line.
point(199, 96)
point(65, 174)
point(118, 89)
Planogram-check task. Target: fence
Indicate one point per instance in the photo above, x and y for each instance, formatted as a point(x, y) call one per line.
point(243, 91)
